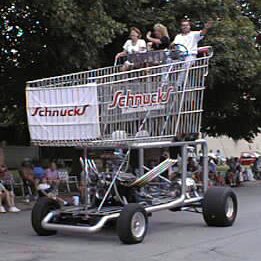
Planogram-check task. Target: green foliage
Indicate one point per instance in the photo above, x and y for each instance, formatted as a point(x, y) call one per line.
point(78, 34)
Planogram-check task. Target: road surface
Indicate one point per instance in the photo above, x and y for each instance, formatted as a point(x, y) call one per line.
point(171, 236)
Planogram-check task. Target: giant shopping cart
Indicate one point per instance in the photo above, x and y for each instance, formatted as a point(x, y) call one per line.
point(150, 106)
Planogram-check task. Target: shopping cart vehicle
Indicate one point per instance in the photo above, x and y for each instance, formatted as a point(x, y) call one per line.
point(150, 106)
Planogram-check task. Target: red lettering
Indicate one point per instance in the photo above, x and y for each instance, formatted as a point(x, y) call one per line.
point(35, 111)
point(78, 112)
point(130, 99)
point(154, 97)
point(160, 95)
point(70, 112)
point(41, 113)
point(121, 102)
point(140, 99)
point(115, 100)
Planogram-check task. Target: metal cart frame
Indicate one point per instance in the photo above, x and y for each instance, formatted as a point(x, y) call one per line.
point(139, 109)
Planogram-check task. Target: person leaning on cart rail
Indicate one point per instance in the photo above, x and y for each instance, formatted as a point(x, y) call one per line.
point(134, 45)
point(161, 39)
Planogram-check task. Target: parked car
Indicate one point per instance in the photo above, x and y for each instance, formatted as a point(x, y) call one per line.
point(249, 158)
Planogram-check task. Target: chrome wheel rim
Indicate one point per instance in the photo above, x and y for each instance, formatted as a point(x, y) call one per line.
point(138, 225)
point(230, 208)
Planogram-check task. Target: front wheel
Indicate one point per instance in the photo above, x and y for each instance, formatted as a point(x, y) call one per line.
point(220, 207)
point(132, 224)
point(41, 208)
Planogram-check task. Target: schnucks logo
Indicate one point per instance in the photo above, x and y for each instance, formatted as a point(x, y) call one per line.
point(48, 112)
point(136, 100)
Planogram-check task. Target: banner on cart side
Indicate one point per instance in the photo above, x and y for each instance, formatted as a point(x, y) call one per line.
point(138, 102)
point(63, 114)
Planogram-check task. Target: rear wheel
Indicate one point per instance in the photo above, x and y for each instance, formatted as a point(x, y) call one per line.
point(220, 207)
point(41, 208)
point(132, 224)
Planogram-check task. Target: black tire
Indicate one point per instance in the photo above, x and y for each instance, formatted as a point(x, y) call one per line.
point(41, 208)
point(125, 229)
point(220, 207)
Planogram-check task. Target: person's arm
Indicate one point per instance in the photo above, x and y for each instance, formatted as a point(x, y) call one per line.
point(44, 192)
point(121, 54)
point(175, 41)
point(124, 52)
point(206, 28)
point(153, 40)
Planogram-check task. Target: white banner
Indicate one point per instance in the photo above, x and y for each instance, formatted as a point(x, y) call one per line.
point(63, 113)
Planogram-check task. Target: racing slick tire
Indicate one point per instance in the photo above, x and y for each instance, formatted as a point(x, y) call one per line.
point(41, 208)
point(220, 207)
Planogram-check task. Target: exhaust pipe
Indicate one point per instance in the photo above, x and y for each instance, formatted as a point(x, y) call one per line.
point(73, 228)
point(92, 229)
point(175, 203)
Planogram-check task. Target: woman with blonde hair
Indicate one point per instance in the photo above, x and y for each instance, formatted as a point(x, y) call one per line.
point(161, 40)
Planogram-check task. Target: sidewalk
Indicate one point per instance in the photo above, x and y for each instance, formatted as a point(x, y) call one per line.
point(251, 183)
point(24, 206)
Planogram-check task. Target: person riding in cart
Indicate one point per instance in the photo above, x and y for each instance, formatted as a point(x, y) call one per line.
point(186, 44)
point(189, 39)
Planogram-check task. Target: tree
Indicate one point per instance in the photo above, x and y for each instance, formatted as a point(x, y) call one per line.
point(232, 100)
point(22, 45)
point(44, 38)
point(252, 9)
point(74, 35)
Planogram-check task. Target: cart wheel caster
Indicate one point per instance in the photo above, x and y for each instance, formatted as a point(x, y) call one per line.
point(41, 208)
point(220, 207)
point(132, 224)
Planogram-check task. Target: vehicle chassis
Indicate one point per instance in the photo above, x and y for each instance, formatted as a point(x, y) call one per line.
point(218, 204)
point(181, 203)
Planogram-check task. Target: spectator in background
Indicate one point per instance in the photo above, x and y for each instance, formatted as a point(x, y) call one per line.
point(231, 178)
point(38, 171)
point(212, 169)
point(239, 175)
point(192, 168)
point(2, 209)
point(218, 154)
point(222, 170)
point(165, 155)
point(257, 168)
point(46, 190)
point(28, 178)
point(6, 190)
point(52, 176)
point(160, 39)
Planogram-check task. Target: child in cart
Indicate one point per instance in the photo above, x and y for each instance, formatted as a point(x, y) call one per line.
point(46, 190)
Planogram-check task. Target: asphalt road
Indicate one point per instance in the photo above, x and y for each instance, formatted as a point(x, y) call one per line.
point(171, 236)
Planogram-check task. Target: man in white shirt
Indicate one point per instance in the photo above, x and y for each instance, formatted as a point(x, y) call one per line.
point(188, 41)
